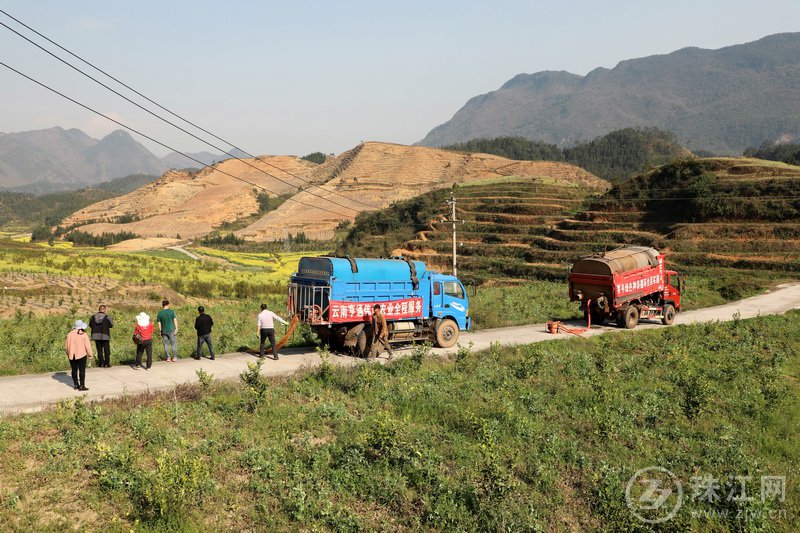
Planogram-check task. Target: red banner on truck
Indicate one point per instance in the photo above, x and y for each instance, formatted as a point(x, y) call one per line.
point(393, 310)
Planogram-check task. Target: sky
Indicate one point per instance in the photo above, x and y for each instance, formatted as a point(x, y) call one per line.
point(305, 76)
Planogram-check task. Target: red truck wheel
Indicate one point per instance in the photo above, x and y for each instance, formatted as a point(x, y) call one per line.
point(446, 333)
point(628, 318)
point(668, 315)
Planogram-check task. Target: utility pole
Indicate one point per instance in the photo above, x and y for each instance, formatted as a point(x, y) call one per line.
point(452, 203)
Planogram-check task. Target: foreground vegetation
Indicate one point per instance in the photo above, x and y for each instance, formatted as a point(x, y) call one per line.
point(536, 437)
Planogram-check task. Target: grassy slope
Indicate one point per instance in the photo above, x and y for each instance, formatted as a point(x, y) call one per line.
point(544, 436)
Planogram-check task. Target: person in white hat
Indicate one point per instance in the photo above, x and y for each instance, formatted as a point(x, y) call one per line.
point(78, 348)
point(143, 336)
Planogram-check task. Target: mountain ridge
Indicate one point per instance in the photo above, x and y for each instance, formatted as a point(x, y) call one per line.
point(58, 158)
point(721, 100)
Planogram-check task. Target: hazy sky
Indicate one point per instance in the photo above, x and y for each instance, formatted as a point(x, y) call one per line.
point(303, 76)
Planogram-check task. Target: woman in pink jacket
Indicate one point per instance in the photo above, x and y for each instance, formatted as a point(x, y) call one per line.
point(78, 348)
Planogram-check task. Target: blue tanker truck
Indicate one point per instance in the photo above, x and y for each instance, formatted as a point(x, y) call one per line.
point(335, 296)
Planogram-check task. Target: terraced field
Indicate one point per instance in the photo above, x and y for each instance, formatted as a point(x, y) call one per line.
point(723, 212)
point(510, 230)
point(727, 214)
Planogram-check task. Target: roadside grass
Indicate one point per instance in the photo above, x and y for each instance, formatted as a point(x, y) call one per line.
point(537, 437)
point(34, 345)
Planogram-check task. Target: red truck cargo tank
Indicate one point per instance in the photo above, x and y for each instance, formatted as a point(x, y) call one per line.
point(611, 283)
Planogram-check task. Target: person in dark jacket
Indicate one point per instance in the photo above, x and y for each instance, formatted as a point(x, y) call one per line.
point(380, 333)
point(203, 324)
point(100, 324)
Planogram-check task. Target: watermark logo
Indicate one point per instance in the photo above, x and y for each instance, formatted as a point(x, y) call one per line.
point(654, 495)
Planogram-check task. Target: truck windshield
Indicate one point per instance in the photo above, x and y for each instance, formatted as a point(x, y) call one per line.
point(454, 289)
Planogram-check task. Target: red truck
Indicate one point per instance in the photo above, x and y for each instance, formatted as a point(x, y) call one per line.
point(626, 284)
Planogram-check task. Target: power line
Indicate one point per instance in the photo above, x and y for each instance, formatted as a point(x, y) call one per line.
point(159, 142)
point(233, 146)
point(633, 200)
point(192, 134)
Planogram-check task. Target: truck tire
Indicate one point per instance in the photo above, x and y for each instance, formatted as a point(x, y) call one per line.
point(360, 349)
point(630, 317)
point(668, 315)
point(446, 333)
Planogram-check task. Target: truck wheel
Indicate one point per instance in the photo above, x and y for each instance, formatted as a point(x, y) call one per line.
point(361, 344)
point(446, 333)
point(631, 317)
point(668, 315)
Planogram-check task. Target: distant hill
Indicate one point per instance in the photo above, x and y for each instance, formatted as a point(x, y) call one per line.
point(178, 161)
point(308, 198)
point(787, 153)
point(29, 210)
point(615, 156)
point(126, 184)
point(58, 159)
point(720, 101)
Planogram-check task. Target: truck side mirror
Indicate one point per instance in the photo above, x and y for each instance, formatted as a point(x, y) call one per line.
point(472, 290)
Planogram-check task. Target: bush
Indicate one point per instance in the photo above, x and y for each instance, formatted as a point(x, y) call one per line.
point(315, 157)
point(256, 386)
point(104, 239)
point(176, 484)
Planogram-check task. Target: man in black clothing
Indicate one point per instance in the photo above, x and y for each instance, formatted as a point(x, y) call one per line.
point(101, 323)
point(203, 324)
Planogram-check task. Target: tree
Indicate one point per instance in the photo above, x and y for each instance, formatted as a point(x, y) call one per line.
point(315, 157)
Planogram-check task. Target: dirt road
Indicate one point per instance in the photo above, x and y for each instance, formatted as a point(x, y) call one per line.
point(36, 391)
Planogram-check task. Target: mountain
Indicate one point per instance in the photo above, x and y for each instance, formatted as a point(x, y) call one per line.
point(370, 176)
point(178, 161)
point(720, 101)
point(59, 159)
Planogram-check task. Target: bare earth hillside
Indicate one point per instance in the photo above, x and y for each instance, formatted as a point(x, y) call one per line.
point(193, 204)
point(374, 175)
point(368, 177)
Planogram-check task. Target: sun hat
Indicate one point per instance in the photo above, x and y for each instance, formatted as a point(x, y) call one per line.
point(143, 319)
point(80, 324)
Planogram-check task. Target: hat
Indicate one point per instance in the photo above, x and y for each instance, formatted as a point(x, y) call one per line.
point(80, 324)
point(143, 319)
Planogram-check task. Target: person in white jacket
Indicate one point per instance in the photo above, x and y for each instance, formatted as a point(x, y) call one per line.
point(266, 329)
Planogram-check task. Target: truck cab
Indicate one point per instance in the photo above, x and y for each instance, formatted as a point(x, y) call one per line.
point(449, 300)
point(673, 287)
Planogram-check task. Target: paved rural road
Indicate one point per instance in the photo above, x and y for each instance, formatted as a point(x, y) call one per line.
point(33, 392)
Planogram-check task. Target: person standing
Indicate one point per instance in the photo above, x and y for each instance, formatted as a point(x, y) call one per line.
point(101, 324)
point(380, 333)
point(266, 329)
point(168, 327)
point(203, 324)
point(144, 329)
point(79, 349)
